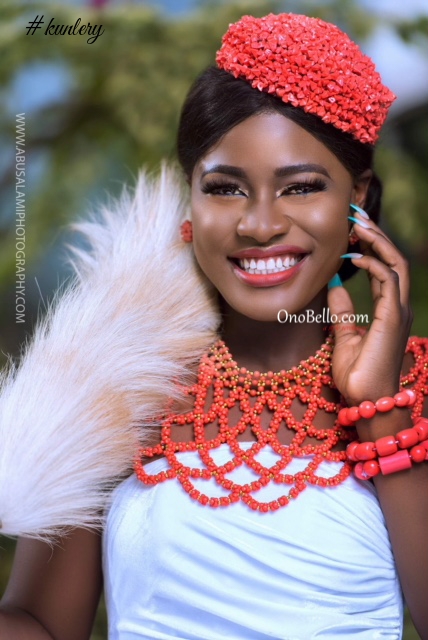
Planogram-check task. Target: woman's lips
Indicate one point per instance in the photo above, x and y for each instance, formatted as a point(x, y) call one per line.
point(268, 279)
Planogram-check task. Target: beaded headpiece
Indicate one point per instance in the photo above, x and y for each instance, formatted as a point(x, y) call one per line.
point(310, 64)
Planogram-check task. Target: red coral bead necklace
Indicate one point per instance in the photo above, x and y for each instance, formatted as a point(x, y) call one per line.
point(252, 391)
point(221, 386)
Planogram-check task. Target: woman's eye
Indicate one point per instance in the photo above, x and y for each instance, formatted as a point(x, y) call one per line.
point(222, 189)
point(304, 188)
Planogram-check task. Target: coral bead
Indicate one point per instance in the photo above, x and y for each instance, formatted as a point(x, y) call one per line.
point(421, 428)
point(418, 453)
point(365, 451)
point(424, 443)
point(402, 399)
point(407, 438)
point(353, 414)
point(359, 471)
point(343, 418)
point(397, 462)
point(350, 451)
point(367, 409)
point(385, 404)
point(412, 396)
point(371, 468)
point(386, 446)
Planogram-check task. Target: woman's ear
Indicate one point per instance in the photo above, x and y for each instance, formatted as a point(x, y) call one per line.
point(360, 188)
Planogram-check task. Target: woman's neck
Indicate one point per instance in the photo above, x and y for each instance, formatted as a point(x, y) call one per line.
point(272, 346)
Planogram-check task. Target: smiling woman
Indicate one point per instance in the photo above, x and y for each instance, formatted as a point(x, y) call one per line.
point(270, 489)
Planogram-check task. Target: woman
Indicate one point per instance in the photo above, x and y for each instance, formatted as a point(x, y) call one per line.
point(246, 517)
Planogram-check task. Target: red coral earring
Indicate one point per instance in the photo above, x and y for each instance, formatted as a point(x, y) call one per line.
point(353, 238)
point(186, 231)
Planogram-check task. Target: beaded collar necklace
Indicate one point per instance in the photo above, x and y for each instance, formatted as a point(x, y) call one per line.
point(252, 391)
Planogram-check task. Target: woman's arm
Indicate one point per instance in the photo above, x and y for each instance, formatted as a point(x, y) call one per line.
point(53, 592)
point(368, 367)
point(403, 497)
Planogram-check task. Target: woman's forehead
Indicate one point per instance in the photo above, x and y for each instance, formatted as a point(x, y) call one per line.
point(269, 140)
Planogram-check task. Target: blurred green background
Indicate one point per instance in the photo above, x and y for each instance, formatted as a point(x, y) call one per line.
point(96, 113)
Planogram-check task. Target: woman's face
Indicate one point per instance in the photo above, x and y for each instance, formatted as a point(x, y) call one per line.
point(269, 211)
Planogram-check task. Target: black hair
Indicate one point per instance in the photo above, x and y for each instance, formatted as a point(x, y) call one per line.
point(218, 101)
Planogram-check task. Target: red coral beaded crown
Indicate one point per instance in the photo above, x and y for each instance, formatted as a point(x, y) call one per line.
point(310, 64)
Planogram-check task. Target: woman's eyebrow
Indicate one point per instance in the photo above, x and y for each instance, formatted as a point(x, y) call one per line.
point(281, 172)
point(227, 169)
point(288, 170)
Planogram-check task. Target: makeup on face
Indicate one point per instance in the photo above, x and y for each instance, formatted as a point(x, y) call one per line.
point(269, 210)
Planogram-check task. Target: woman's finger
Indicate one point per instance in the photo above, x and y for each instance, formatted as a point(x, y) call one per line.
point(342, 313)
point(379, 245)
point(388, 307)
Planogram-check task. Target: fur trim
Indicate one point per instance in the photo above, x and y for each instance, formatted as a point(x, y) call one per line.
point(106, 358)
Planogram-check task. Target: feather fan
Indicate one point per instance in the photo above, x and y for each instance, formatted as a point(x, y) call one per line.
point(103, 362)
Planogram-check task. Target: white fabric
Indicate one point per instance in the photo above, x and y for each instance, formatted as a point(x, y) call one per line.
point(321, 567)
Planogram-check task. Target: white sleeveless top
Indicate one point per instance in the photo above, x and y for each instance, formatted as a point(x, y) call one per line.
point(319, 568)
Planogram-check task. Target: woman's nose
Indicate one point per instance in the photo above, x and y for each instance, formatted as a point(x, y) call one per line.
point(263, 221)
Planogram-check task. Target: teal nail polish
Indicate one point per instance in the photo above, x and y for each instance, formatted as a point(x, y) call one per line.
point(355, 207)
point(360, 222)
point(335, 282)
point(352, 255)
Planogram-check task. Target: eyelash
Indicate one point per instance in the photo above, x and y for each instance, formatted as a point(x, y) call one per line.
point(223, 188)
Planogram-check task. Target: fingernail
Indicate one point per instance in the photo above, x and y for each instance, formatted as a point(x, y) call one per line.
point(335, 282)
point(355, 207)
point(360, 222)
point(352, 255)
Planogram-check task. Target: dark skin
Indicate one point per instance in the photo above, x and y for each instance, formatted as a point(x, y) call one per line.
point(54, 593)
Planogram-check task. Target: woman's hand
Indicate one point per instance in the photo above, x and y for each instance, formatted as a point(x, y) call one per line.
point(368, 367)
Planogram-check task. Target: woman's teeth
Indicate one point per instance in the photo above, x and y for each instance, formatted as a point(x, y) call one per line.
point(271, 265)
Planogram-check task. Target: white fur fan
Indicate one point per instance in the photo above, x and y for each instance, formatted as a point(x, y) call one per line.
point(102, 363)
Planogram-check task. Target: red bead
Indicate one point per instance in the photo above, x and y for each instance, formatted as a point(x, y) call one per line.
point(412, 396)
point(353, 414)
point(367, 409)
point(402, 399)
point(385, 404)
point(359, 471)
point(424, 444)
point(365, 451)
point(371, 468)
point(399, 461)
point(407, 438)
point(386, 446)
point(421, 428)
point(343, 418)
point(350, 451)
point(418, 453)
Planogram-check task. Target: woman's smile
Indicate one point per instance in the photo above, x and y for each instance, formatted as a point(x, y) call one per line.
point(279, 264)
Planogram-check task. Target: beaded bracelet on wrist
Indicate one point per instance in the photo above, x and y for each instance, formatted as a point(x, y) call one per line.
point(348, 416)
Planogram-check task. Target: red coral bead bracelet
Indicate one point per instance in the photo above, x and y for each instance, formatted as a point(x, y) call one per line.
point(390, 453)
point(348, 416)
